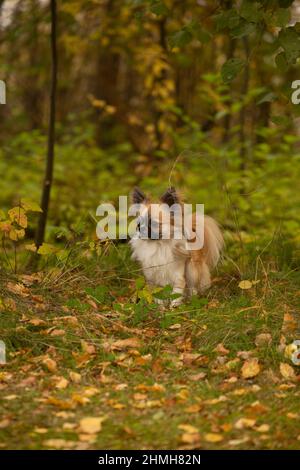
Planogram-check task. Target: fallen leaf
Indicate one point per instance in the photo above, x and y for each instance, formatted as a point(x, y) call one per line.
point(238, 442)
point(292, 415)
point(57, 332)
point(213, 437)
point(193, 408)
point(188, 438)
point(263, 339)
point(243, 423)
point(4, 423)
point(40, 430)
point(220, 349)
point(62, 383)
point(121, 344)
point(263, 428)
point(10, 397)
point(197, 377)
point(188, 428)
point(91, 425)
point(75, 377)
point(244, 285)
point(91, 438)
point(59, 444)
point(250, 369)
point(50, 364)
point(37, 322)
point(287, 371)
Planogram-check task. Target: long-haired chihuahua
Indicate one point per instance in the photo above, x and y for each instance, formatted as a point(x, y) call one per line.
point(169, 252)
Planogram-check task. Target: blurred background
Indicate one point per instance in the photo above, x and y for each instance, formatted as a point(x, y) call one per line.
point(194, 92)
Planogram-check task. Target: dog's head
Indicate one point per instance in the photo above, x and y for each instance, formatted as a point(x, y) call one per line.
point(157, 220)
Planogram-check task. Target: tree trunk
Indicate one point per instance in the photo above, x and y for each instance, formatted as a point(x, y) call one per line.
point(40, 232)
point(242, 117)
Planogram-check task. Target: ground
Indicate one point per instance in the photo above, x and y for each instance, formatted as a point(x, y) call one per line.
point(94, 363)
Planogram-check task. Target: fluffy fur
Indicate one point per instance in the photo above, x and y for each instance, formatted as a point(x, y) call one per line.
point(170, 262)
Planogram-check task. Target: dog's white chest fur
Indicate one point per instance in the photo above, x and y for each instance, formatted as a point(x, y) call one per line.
point(160, 267)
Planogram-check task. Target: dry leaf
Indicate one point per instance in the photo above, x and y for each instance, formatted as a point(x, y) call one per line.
point(91, 425)
point(263, 339)
point(193, 408)
point(75, 377)
point(40, 430)
point(213, 437)
point(243, 423)
point(4, 423)
point(250, 368)
point(59, 444)
point(188, 438)
point(292, 415)
point(287, 371)
point(197, 377)
point(57, 332)
point(37, 322)
point(50, 364)
point(220, 349)
point(62, 383)
point(126, 343)
point(263, 428)
point(188, 428)
point(244, 285)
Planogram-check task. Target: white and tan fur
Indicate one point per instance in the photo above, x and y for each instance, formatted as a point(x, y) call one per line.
point(170, 262)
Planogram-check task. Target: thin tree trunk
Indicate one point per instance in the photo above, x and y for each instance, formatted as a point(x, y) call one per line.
point(40, 232)
point(242, 117)
point(227, 119)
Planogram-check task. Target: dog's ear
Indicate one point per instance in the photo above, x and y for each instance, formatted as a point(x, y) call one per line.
point(170, 197)
point(138, 197)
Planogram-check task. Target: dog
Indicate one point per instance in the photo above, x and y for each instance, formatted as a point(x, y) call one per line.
point(170, 261)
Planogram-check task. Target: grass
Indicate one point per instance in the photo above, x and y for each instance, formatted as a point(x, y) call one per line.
point(160, 378)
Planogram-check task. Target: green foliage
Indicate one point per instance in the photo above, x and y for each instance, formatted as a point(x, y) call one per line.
point(231, 68)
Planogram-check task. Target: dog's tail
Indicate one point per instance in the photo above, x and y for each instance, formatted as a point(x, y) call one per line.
point(213, 242)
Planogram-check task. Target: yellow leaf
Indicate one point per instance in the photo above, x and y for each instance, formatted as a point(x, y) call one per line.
point(31, 247)
point(50, 364)
point(243, 423)
point(62, 383)
point(17, 214)
point(250, 368)
point(91, 425)
point(287, 371)
point(188, 428)
point(78, 399)
point(37, 322)
point(213, 437)
point(40, 430)
point(31, 206)
point(57, 332)
point(75, 377)
point(59, 444)
point(193, 408)
point(245, 285)
point(47, 249)
point(16, 235)
point(126, 343)
point(263, 428)
point(5, 226)
point(188, 438)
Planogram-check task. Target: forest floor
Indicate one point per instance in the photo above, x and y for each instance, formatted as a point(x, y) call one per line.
point(93, 363)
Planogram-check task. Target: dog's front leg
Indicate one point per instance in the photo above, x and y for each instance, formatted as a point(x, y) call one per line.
point(178, 288)
point(178, 301)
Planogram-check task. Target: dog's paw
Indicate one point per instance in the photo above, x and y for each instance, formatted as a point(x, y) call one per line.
point(161, 302)
point(176, 302)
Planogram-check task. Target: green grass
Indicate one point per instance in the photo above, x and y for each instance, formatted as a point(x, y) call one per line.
point(77, 318)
